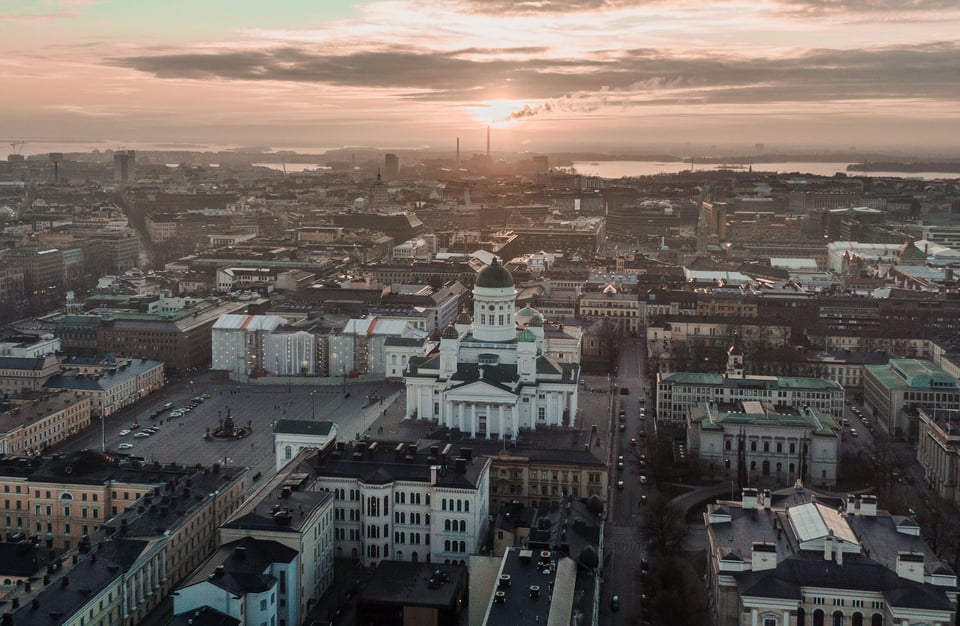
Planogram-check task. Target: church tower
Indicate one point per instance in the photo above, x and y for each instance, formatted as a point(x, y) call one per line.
point(494, 301)
point(735, 359)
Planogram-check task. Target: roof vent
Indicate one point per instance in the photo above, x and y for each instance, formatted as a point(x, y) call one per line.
point(500, 598)
point(534, 591)
point(504, 581)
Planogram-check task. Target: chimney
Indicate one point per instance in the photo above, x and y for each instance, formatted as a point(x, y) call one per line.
point(910, 566)
point(763, 557)
point(828, 547)
point(460, 466)
point(458, 153)
point(767, 498)
point(433, 474)
point(466, 453)
point(488, 142)
point(748, 499)
point(240, 552)
point(868, 506)
point(839, 553)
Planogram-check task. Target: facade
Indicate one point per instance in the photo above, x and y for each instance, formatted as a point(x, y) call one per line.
point(772, 446)
point(121, 572)
point(619, 308)
point(250, 580)
point(397, 353)
point(285, 510)
point(402, 503)
point(237, 343)
point(233, 278)
point(938, 450)
point(291, 436)
point(32, 426)
point(489, 378)
point(115, 387)
point(534, 476)
point(23, 374)
point(792, 559)
point(894, 391)
point(680, 392)
point(361, 347)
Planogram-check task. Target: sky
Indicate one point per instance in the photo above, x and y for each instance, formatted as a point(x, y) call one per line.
point(545, 74)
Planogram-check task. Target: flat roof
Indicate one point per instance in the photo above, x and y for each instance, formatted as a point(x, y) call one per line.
point(403, 583)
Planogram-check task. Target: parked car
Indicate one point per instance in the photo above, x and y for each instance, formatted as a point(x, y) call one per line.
point(125, 446)
point(615, 603)
point(643, 499)
point(619, 484)
point(124, 432)
point(620, 463)
point(142, 435)
point(854, 433)
point(633, 441)
point(168, 405)
point(643, 479)
point(624, 391)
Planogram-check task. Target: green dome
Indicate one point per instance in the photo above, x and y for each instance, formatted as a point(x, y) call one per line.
point(450, 333)
point(526, 335)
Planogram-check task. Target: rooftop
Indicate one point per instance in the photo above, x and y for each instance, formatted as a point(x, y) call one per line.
point(403, 583)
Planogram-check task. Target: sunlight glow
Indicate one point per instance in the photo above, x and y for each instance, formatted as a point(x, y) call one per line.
point(497, 113)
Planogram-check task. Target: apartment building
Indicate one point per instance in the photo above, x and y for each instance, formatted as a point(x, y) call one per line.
point(31, 426)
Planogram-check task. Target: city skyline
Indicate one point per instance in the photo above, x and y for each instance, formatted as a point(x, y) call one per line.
point(547, 74)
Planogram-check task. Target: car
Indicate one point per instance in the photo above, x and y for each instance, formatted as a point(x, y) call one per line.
point(643, 499)
point(854, 433)
point(620, 484)
point(643, 479)
point(624, 391)
point(643, 457)
point(205, 396)
point(633, 441)
point(623, 427)
point(185, 409)
point(134, 426)
point(125, 446)
point(615, 603)
point(168, 405)
point(141, 435)
point(177, 413)
point(124, 432)
point(644, 565)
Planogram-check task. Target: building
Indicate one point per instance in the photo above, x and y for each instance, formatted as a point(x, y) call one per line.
point(251, 278)
point(894, 391)
point(938, 451)
point(254, 581)
point(763, 444)
point(401, 593)
point(22, 374)
point(489, 378)
point(238, 344)
point(391, 163)
point(124, 166)
point(31, 426)
point(361, 348)
point(617, 307)
point(403, 503)
point(532, 587)
point(121, 572)
point(533, 476)
point(290, 436)
point(288, 511)
point(111, 388)
point(680, 392)
point(795, 558)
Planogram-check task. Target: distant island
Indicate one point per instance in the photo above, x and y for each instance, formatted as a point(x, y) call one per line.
point(905, 166)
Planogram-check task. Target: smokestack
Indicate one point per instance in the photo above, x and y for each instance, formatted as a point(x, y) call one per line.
point(458, 153)
point(488, 142)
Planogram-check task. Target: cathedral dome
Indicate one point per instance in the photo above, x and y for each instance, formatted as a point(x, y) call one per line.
point(464, 318)
point(536, 321)
point(450, 333)
point(526, 336)
point(494, 276)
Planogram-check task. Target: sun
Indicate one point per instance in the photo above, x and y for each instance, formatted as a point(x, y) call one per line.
point(496, 112)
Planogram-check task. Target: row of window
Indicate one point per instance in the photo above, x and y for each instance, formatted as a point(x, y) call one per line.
point(462, 506)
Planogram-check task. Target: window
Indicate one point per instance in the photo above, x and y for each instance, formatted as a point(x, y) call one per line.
point(288, 452)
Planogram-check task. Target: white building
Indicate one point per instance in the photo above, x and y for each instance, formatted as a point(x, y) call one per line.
point(489, 377)
point(418, 248)
point(403, 503)
point(289, 352)
point(776, 445)
point(292, 436)
point(238, 344)
point(285, 511)
point(361, 346)
point(233, 278)
point(252, 581)
point(679, 392)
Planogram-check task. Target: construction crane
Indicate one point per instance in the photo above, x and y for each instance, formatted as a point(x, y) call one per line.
point(14, 146)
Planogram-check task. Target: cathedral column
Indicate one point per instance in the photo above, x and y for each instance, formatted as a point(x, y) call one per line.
point(515, 418)
point(502, 430)
point(460, 416)
point(447, 413)
point(574, 408)
point(489, 424)
point(412, 391)
point(473, 420)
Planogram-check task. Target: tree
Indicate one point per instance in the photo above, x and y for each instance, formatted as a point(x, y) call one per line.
point(664, 529)
point(611, 338)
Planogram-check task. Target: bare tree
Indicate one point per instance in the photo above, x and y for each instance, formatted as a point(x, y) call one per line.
point(664, 529)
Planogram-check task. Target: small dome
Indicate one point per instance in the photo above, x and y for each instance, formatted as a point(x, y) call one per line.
point(536, 321)
point(526, 335)
point(494, 276)
point(464, 318)
point(736, 349)
point(450, 333)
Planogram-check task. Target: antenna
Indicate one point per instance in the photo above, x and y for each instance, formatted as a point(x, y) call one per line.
point(488, 142)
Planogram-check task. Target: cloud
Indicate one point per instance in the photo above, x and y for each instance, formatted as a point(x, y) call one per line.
point(629, 78)
point(64, 9)
point(813, 7)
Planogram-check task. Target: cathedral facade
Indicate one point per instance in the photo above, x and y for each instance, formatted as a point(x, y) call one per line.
point(498, 372)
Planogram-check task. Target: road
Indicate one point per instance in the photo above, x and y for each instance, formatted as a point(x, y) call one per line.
point(252, 406)
point(622, 537)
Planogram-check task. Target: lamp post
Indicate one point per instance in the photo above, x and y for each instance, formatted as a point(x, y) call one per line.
point(313, 398)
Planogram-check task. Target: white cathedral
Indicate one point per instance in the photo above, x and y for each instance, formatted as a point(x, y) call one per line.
point(499, 372)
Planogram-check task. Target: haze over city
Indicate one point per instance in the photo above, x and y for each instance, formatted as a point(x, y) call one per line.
point(547, 74)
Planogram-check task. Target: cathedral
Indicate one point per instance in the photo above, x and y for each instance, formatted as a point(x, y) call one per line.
point(500, 371)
